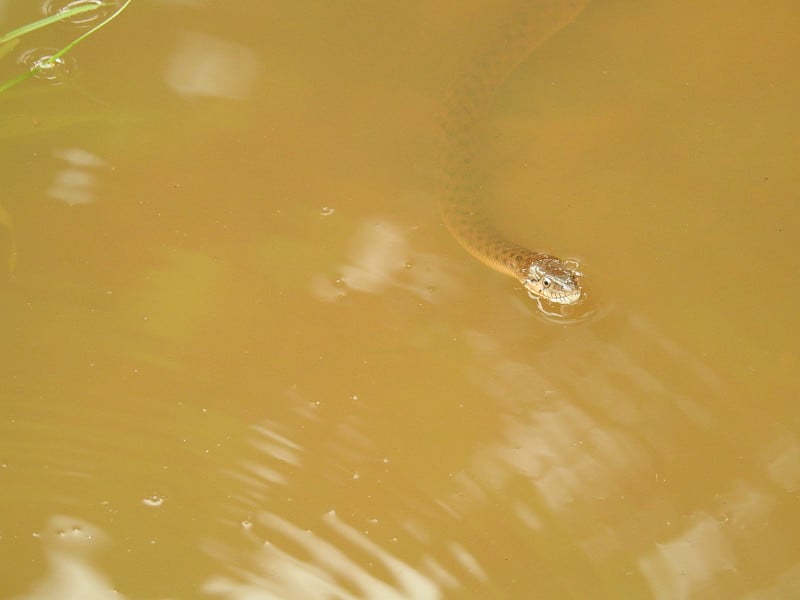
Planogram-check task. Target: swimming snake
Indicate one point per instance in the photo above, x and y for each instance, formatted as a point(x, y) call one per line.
point(545, 277)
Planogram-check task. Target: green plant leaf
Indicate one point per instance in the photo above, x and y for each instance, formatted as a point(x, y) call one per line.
point(61, 15)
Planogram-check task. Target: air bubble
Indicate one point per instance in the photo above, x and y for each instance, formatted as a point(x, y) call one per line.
point(101, 9)
point(327, 211)
point(153, 500)
point(44, 66)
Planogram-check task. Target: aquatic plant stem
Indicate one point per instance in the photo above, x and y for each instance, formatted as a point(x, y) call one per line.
point(44, 22)
point(50, 60)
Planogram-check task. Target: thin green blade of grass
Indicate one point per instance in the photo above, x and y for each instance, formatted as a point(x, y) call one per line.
point(51, 60)
point(80, 38)
point(44, 22)
point(12, 82)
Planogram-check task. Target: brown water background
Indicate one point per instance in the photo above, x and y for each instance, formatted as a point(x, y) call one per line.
point(242, 358)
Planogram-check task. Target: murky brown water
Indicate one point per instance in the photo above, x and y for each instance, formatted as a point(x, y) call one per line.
point(242, 358)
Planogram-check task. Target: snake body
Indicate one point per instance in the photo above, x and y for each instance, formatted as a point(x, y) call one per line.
point(545, 277)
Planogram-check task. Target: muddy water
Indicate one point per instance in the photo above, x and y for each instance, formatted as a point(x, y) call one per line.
point(243, 359)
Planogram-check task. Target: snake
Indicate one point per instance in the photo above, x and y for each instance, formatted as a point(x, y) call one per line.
point(546, 278)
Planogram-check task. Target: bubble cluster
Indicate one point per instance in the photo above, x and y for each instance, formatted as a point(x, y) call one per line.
point(100, 10)
point(45, 66)
point(154, 500)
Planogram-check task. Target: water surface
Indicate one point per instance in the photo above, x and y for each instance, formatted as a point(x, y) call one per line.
point(243, 359)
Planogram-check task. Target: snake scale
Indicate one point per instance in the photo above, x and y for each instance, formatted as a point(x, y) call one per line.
point(545, 277)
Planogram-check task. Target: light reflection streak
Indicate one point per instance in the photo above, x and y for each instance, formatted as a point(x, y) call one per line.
point(69, 544)
point(583, 430)
point(74, 184)
point(203, 65)
point(548, 439)
point(278, 558)
point(680, 568)
point(782, 460)
point(565, 458)
point(277, 456)
point(381, 258)
point(325, 572)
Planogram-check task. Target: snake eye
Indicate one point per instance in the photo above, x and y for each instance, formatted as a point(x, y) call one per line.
point(546, 282)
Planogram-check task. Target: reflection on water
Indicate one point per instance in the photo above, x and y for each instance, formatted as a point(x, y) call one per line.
point(383, 260)
point(70, 547)
point(73, 184)
point(600, 474)
point(52, 70)
point(684, 566)
point(102, 10)
point(204, 66)
point(252, 364)
point(317, 568)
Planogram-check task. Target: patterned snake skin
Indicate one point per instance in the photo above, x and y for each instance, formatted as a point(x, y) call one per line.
point(545, 277)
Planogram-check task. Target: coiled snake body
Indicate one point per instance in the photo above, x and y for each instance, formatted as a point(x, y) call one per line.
point(545, 277)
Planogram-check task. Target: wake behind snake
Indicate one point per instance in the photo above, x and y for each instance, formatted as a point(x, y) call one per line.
point(546, 278)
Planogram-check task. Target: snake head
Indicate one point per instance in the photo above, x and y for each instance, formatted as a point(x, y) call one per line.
point(554, 280)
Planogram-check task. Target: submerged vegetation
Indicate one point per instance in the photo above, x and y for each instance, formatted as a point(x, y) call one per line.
point(8, 42)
